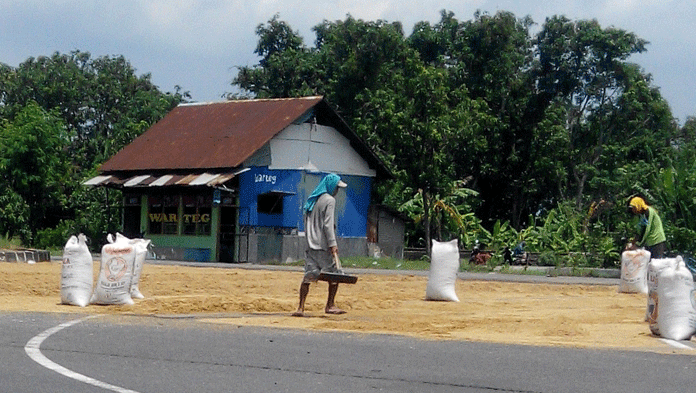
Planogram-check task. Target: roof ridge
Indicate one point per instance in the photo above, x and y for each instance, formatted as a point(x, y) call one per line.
point(249, 100)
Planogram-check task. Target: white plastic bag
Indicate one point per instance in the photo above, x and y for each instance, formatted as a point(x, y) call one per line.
point(444, 265)
point(76, 273)
point(115, 274)
point(634, 271)
point(676, 317)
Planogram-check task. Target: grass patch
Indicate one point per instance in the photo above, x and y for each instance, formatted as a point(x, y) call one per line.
point(520, 270)
point(10, 243)
point(466, 266)
point(385, 263)
point(378, 263)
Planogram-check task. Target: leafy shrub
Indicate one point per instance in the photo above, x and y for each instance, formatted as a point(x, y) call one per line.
point(548, 258)
point(54, 238)
point(681, 240)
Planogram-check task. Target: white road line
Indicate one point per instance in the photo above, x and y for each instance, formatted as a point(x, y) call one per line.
point(676, 344)
point(34, 351)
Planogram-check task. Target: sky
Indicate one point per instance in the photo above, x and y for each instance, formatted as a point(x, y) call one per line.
point(198, 44)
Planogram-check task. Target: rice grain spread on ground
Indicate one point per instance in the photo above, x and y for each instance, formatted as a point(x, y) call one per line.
point(582, 316)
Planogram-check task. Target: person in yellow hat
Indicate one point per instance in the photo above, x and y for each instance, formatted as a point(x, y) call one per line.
point(650, 230)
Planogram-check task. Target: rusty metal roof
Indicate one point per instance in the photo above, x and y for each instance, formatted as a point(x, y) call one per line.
point(206, 144)
point(209, 135)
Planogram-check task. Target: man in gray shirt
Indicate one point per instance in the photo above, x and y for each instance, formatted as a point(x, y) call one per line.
point(320, 232)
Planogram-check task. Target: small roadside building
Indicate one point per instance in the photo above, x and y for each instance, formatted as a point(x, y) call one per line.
point(227, 181)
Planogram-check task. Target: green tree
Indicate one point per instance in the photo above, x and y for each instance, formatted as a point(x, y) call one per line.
point(438, 45)
point(349, 58)
point(584, 67)
point(638, 129)
point(416, 119)
point(100, 100)
point(687, 133)
point(356, 57)
point(14, 215)
point(494, 68)
point(103, 105)
point(33, 170)
point(287, 68)
point(532, 120)
point(512, 156)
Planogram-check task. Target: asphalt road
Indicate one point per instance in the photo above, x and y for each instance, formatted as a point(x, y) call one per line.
point(155, 355)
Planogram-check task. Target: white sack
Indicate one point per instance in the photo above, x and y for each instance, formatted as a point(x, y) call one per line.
point(654, 268)
point(634, 271)
point(115, 274)
point(141, 247)
point(140, 255)
point(444, 265)
point(676, 317)
point(76, 273)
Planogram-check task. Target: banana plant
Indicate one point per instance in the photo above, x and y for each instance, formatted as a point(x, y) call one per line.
point(502, 234)
point(451, 213)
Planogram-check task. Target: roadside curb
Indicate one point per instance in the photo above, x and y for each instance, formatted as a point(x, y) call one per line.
point(541, 274)
point(24, 255)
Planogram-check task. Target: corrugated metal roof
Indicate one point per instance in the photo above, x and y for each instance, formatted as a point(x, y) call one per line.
point(151, 180)
point(210, 135)
point(216, 138)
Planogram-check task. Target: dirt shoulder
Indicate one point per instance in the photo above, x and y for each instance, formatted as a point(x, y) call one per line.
point(568, 315)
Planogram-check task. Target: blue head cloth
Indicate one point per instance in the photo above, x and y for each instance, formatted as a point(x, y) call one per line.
point(327, 185)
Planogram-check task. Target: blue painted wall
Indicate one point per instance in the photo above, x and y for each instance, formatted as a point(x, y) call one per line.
point(260, 180)
point(352, 203)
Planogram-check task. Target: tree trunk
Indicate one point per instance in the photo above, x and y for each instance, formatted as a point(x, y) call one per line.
point(516, 208)
point(426, 221)
point(580, 190)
